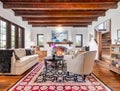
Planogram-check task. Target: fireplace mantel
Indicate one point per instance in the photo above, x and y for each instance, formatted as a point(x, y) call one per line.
point(67, 42)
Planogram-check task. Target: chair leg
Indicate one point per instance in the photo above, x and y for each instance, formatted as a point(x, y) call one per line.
point(84, 77)
point(68, 73)
point(90, 74)
point(75, 78)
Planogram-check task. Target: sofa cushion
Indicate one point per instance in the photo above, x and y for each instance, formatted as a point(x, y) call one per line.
point(26, 59)
point(70, 52)
point(20, 52)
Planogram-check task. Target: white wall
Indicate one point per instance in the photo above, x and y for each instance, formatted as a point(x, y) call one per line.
point(72, 31)
point(9, 15)
point(114, 15)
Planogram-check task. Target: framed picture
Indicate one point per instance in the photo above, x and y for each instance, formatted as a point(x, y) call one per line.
point(118, 34)
point(79, 40)
point(59, 36)
point(40, 40)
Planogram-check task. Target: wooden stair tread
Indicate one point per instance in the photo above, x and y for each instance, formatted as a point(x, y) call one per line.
point(106, 42)
point(106, 47)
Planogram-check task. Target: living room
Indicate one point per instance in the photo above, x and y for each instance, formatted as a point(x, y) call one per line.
point(86, 35)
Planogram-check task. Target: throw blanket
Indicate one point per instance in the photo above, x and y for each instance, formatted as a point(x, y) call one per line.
point(5, 60)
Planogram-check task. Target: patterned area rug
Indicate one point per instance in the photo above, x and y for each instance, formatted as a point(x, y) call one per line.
point(38, 80)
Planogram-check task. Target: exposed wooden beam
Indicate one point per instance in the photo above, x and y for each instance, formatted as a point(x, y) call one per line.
point(60, 5)
point(44, 16)
point(60, 0)
point(59, 12)
point(59, 18)
point(47, 21)
point(47, 25)
point(60, 23)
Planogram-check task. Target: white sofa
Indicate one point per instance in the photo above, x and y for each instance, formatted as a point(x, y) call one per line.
point(20, 62)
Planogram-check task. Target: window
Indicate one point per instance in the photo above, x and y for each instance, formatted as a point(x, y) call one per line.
point(79, 40)
point(2, 34)
point(12, 36)
point(40, 40)
point(104, 26)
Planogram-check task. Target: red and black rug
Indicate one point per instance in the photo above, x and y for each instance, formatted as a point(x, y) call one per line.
point(38, 80)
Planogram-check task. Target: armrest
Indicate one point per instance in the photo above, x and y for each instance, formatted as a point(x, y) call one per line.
point(13, 59)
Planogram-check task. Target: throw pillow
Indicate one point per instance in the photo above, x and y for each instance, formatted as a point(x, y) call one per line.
point(28, 51)
point(32, 51)
point(20, 52)
point(16, 57)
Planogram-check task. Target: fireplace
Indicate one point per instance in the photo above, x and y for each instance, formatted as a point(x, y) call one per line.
point(59, 50)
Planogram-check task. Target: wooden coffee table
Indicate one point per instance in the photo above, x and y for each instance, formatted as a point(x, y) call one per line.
point(54, 61)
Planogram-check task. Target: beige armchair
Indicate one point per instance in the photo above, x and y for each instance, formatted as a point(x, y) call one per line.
point(82, 64)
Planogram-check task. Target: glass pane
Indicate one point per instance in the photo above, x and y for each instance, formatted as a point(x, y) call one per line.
point(3, 31)
point(78, 40)
point(12, 44)
point(13, 27)
point(40, 40)
point(4, 44)
point(3, 24)
point(4, 37)
point(20, 38)
point(12, 36)
point(12, 33)
point(0, 43)
point(2, 34)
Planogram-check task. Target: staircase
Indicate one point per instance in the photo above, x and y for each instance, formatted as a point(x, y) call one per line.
point(106, 42)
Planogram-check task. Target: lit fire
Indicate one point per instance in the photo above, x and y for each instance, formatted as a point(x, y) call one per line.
point(59, 51)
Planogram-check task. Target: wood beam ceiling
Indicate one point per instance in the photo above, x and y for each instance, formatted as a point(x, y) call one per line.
point(79, 13)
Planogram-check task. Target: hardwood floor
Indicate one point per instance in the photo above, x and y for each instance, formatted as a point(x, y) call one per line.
point(108, 77)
